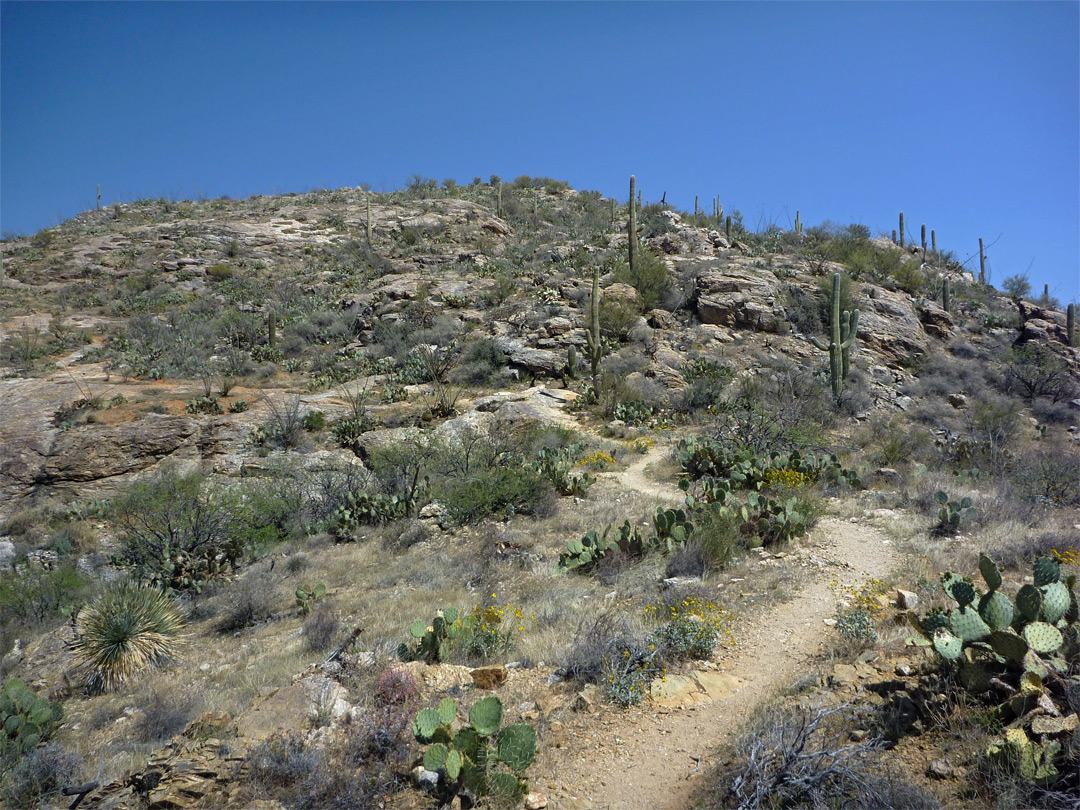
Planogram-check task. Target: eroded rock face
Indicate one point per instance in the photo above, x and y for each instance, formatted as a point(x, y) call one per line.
point(1041, 324)
point(889, 325)
point(739, 297)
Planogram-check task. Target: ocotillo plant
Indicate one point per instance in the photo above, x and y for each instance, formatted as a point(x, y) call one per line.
point(946, 295)
point(596, 346)
point(1070, 324)
point(982, 262)
point(631, 234)
point(843, 329)
point(902, 241)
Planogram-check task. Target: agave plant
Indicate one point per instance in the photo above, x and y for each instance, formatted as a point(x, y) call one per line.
point(129, 629)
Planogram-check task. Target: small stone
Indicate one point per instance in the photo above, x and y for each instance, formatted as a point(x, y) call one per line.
point(425, 779)
point(940, 769)
point(535, 801)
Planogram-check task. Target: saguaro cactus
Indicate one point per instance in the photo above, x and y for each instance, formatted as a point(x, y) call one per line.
point(596, 346)
point(924, 239)
point(99, 197)
point(369, 219)
point(843, 329)
point(272, 329)
point(946, 295)
point(1070, 324)
point(933, 241)
point(982, 262)
point(902, 241)
point(798, 223)
point(631, 234)
point(727, 227)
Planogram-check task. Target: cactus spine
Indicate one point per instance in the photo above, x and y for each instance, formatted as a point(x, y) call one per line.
point(631, 234)
point(843, 329)
point(946, 295)
point(1070, 324)
point(902, 240)
point(982, 262)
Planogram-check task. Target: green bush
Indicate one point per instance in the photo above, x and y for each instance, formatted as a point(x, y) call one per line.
point(502, 491)
point(650, 277)
point(179, 532)
point(129, 630)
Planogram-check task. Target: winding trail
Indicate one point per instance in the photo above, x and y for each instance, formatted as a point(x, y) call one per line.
point(651, 757)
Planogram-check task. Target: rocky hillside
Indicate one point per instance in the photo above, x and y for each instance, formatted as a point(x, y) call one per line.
point(394, 395)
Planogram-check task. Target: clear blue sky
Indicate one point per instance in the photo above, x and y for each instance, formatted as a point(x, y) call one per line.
point(963, 115)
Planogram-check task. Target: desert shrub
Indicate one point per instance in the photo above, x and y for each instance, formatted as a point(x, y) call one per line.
point(164, 714)
point(1050, 474)
point(321, 627)
point(480, 362)
point(37, 596)
point(403, 534)
point(128, 630)
point(706, 381)
point(1034, 370)
point(782, 408)
point(718, 534)
point(689, 624)
point(617, 317)
point(649, 277)
point(285, 424)
point(38, 777)
point(499, 491)
point(803, 758)
point(692, 560)
point(267, 509)
point(178, 530)
point(246, 603)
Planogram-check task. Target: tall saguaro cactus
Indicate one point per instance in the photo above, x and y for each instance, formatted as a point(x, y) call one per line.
point(946, 295)
point(596, 346)
point(798, 223)
point(99, 197)
point(982, 262)
point(924, 239)
point(933, 241)
point(631, 234)
point(843, 329)
point(902, 241)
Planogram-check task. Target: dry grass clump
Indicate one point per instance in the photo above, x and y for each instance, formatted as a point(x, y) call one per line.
point(128, 630)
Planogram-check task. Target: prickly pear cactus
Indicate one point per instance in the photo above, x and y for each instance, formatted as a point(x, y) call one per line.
point(468, 761)
point(1028, 651)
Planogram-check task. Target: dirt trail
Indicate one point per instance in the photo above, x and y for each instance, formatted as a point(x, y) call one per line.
point(652, 757)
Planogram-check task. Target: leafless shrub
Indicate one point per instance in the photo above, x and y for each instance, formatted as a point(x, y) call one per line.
point(321, 627)
point(802, 758)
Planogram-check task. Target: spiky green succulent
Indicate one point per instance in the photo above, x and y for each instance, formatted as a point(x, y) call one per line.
point(469, 760)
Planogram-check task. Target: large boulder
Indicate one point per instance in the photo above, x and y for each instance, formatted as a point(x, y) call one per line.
point(889, 325)
point(1041, 324)
point(737, 296)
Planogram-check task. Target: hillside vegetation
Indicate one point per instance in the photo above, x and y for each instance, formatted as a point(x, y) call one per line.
point(507, 493)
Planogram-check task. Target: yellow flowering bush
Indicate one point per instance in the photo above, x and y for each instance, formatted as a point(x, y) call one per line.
point(597, 461)
point(496, 622)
